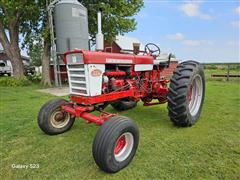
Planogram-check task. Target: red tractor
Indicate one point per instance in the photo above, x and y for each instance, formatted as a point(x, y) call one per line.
point(97, 79)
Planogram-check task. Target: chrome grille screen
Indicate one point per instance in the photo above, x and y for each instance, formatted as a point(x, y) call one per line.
point(77, 72)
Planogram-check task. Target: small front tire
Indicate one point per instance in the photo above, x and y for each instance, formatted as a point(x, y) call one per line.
point(115, 144)
point(52, 120)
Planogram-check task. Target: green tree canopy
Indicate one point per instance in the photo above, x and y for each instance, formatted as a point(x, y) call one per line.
point(36, 53)
point(29, 18)
point(17, 17)
point(117, 16)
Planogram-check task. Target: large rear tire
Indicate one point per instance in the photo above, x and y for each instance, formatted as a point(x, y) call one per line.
point(115, 144)
point(52, 120)
point(124, 104)
point(186, 94)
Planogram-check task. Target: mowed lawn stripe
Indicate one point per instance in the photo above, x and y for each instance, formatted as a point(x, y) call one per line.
point(208, 150)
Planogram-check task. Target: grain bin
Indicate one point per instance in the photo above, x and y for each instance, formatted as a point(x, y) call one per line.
point(70, 26)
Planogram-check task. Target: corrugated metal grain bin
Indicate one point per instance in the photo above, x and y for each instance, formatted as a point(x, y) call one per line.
point(71, 26)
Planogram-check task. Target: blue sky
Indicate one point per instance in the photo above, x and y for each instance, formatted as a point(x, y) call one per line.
point(206, 31)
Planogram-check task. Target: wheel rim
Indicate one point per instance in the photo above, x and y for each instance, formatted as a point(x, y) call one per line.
point(59, 119)
point(123, 146)
point(195, 94)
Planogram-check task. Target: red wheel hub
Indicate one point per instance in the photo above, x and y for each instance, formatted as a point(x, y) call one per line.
point(190, 93)
point(120, 144)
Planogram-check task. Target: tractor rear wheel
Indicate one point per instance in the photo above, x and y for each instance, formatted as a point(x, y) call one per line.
point(52, 120)
point(186, 93)
point(115, 144)
point(124, 104)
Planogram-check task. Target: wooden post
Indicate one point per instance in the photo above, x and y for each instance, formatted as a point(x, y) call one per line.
point(228, 69)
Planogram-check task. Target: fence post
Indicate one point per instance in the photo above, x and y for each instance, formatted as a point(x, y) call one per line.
point(228, 69)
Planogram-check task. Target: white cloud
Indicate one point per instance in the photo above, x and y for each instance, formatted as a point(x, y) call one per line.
point(192, 9)
point(197, 42)
point(235, 24)
point(189, 42)
point(177, 36)
point(237, 10)
point(233, 43)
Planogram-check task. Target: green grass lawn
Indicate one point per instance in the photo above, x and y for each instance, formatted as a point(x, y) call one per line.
point(208, 150)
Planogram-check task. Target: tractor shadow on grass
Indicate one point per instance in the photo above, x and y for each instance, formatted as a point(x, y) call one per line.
point(146, 116)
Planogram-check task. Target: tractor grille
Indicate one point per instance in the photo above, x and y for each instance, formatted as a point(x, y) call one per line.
point(77, 72)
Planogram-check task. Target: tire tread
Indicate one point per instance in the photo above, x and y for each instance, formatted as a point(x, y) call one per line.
point(179, 84)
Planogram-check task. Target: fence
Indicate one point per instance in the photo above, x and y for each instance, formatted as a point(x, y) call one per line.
point(228, 67)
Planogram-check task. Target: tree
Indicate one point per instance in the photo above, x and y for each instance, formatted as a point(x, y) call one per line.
point(37, 38)
point(30, 17)
point(16, 17)
point(35, 53)
point(117, 16)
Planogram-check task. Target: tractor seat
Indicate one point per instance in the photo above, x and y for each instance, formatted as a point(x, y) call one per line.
point(162, 60)
point(163, 64)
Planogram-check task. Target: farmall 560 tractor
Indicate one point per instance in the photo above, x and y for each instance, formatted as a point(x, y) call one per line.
point(97, 79)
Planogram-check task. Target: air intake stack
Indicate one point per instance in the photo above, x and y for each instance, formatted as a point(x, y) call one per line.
point(99, 36)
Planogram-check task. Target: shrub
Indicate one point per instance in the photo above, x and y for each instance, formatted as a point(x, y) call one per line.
point(13, 82)
point(210, 66)
point(35, 78)
point(206, 66)
point(213, 66)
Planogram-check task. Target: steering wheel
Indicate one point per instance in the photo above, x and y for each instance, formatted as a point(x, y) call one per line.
point(153, 49)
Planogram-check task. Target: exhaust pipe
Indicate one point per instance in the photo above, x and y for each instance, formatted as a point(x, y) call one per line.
point(99, 36)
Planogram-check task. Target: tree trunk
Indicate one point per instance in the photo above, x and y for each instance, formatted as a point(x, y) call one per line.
point(11, 48)
point(46, 64)
point(46, 54)
point(13, 53)
point(17, 65)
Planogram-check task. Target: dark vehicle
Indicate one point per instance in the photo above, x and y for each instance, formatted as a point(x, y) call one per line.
point(28, 69)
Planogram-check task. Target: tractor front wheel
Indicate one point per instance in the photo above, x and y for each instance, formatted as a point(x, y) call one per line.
point(186, 93)
point(115, 144)
point(52, 120)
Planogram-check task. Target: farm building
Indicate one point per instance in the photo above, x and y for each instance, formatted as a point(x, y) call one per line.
point(4, 57)
point(122, 44)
